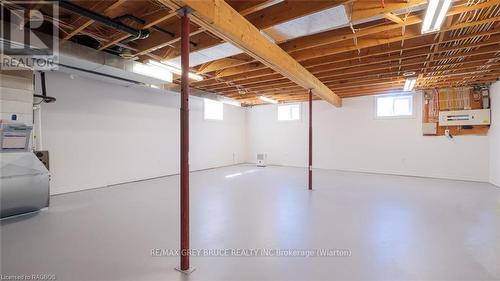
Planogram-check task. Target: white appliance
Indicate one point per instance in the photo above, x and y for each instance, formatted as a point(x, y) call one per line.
point(261, 160)
point(24, 180)
point(465, 117)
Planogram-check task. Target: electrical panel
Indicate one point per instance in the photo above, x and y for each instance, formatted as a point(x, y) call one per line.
point(465, 117)
point(456, 111)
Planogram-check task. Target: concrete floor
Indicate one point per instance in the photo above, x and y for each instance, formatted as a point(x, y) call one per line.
point(397, 228)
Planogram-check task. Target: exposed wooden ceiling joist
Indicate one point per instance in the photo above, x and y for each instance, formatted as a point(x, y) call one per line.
point(323, 56)
point(262, 16)
point(222, 20)
point(367, 9)
point(336, 35)
point(486, 47)
point(289, 10)
point(149, 23)
point(248, 7)
point(392, 17)
point(335, 41)
point(368, 57)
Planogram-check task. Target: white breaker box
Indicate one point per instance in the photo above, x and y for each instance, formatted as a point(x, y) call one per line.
point(465, 117)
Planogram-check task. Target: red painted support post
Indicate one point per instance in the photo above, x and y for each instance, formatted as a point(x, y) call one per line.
point(184, 143)
point(310, 141)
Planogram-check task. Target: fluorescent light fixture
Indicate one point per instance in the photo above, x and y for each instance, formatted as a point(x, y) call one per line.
point(230, 102)
point(266, 99)
point(175, 69)
point(153, 71)
point(227, 100)
point(435, 15)
point(410, 84)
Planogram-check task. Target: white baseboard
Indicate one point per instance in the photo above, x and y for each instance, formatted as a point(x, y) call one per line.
point(385, 173)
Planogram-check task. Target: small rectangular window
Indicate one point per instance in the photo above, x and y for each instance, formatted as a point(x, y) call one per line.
point(289, 112)
point(213, 110)
point(394, 106)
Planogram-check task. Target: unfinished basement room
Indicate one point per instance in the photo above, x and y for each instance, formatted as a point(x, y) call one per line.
point(227, 140)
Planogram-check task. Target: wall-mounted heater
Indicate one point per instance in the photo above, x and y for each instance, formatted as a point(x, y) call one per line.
point(464, 117)
point(261, 160)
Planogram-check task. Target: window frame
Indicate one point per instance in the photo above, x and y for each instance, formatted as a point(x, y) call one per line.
point(204, 110)
point(401, 94)
point(289, 104)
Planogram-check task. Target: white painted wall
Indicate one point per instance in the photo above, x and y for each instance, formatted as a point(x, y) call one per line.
point(494, 135)
point(16, 96)
point(101, 133)
point(350, 138)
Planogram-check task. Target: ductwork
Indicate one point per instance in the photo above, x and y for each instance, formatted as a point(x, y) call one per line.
point(74, 57)
point(136, 33)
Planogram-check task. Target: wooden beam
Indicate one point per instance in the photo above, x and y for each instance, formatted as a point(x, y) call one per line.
point(411, 44)
point(289, 96)
point(372, 47)
point(369, 42)
point(366, 9)
point(392, 17)
point(226, 23)
point(220, 64)
point(485, 75)
point(469, 66)
point(255, 6)
point(265, 17)
point(289, 10)
point(152, 45)
point(353, 62)
point(330, 39)
point(440, 35)
point(337, 35)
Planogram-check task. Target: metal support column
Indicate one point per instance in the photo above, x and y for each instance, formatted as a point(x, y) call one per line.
point(310, 141)
point(184, 142)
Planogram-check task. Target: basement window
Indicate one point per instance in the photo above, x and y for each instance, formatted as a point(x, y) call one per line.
point(289, 112)
point(394, 106)
point(213, 110)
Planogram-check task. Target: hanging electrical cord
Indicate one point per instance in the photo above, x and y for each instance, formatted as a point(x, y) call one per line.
point(43, 96)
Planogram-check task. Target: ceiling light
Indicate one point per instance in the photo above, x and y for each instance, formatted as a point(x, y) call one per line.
point(409, 73)
point(230, 102)
point(153, 71)
point(266, 99)
point(410, 84)
point(175, 69)
point(435, 15)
